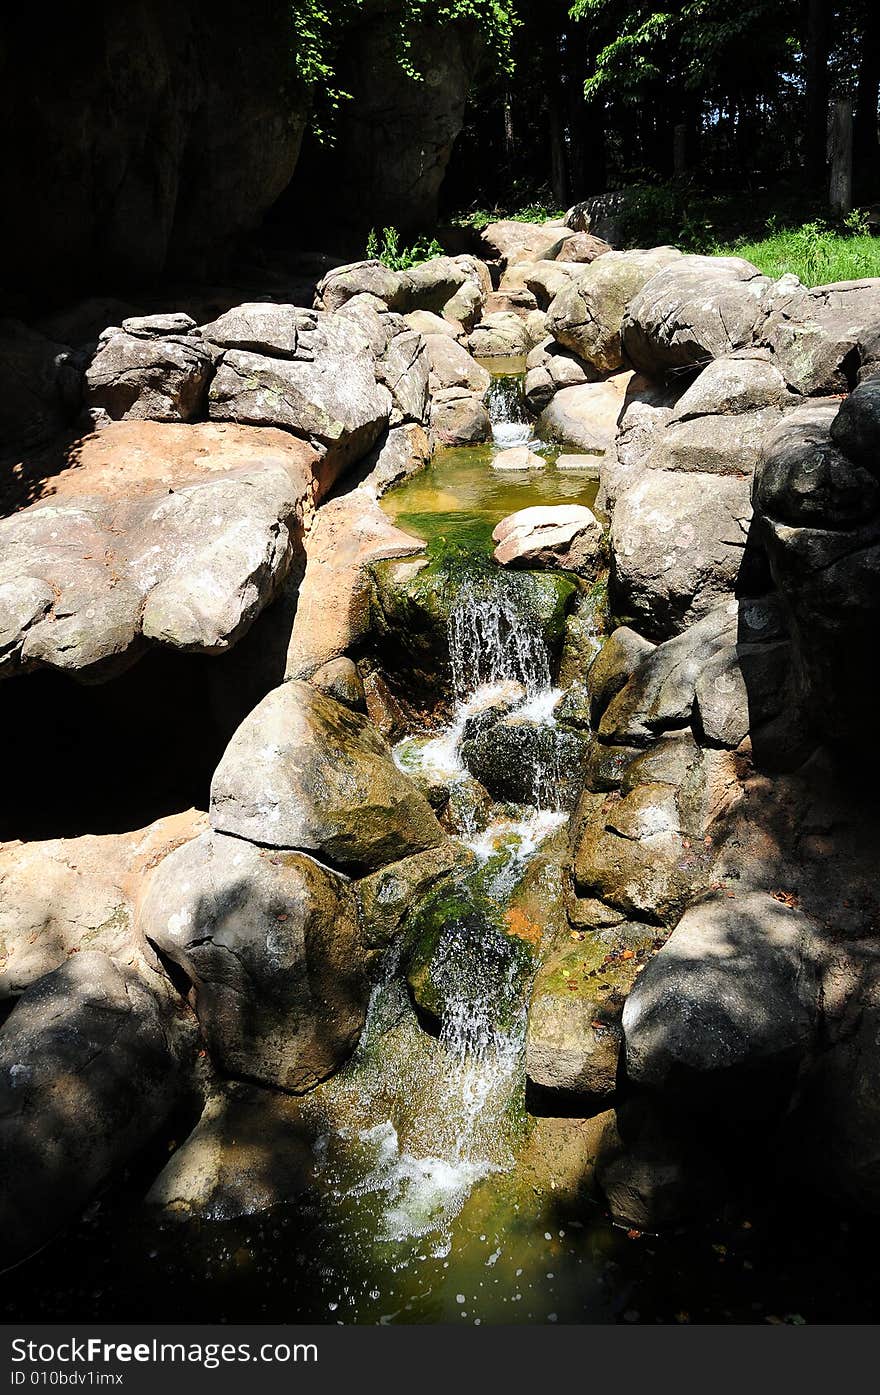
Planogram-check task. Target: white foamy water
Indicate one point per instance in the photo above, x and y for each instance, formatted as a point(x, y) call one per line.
point(508, 434)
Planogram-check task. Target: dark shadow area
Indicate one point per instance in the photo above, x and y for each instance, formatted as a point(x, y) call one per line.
point(114, 756)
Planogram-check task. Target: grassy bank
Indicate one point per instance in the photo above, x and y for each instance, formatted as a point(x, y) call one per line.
point(815, 254)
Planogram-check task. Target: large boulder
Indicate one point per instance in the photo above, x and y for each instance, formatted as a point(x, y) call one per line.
point(500, 335)
point(452, 366)
point(574, 1035)
point(323, 388)
point(273, 946)
point(587, 314)
point(678, 542)
point(303, 772)
point(823, 338)
point(818, 511)
point(179, 535)
point(92, 1063)
point(459, 418)
point(512, 242)
point(728, 1006)
point(694, 310)
point(156, 367)
point(585, 415)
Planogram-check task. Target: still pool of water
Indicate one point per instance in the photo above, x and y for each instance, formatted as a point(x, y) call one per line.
point(460, 498)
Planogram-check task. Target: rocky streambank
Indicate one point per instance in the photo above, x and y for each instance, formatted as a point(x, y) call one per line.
point(231, 658)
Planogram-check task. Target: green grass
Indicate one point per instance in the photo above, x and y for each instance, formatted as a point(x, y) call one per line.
point(816, 254)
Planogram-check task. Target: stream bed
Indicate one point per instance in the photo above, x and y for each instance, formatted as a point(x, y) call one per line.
point(434, 1195)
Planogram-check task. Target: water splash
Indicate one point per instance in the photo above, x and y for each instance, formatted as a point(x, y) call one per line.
point(508, 414)
point(495, 637)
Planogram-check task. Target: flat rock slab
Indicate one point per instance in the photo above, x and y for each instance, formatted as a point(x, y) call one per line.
point(518, 458)
point(174, 534)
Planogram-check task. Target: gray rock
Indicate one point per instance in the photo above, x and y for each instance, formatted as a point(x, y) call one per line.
point(614, 665)
point(149, 375)
point(730, 1000)
point(805, 479)
point(512, 242)
point(500, 335)
point(358, 278)
point(304, 772)
point(452, 366)
point(585, 415)
point(459, 418)
point(678, 542)
point(821, 337)
point(91, 1066)
point(856, 428)
point(738, 382)
point(328, 393)
point(272, 944)
point(587, 314)
point(698, 309)
point(717, 445)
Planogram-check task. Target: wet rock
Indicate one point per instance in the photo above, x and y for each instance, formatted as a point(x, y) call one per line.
point(153, 368)
point(91, 1065)
point(585, 415)
point(727, 1009)
point(250, 1151)
point(452, 366)
point(328, 393)
point(179, 535)
point(523, 761)
point(567, 536)
point(678, 542)
point(822, 337)
point(388, 898)
point(587, 315)
point(272, 944)
point(614, 665)
point(501, 335)
point(458, 961)
point(697, 309)
point(518, 458)
point(574, 1036)
point(304, 772)
point(459, 418)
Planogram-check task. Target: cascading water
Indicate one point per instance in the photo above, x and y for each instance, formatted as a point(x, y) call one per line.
point(508, 414)
point(432, 1115)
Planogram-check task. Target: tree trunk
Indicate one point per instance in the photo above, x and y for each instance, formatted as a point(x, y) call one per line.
point(817, 40)
point(558, 162)
point(840, 156)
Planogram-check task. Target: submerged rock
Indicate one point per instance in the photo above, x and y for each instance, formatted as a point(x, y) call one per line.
point(518, 458)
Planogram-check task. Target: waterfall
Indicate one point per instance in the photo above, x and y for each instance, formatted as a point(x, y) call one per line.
point(494, 637)
point(506, 405)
